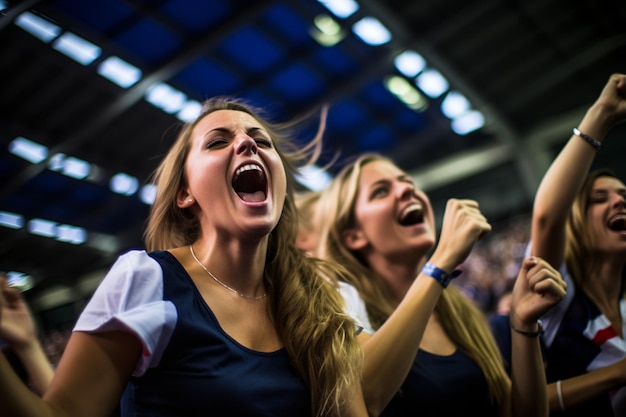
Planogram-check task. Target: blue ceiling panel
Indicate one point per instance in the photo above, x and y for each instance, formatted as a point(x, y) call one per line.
point(291, 27)
point(335, 61)
point(97, 15)
point(251, 50)
point(196, 15)
point(411, 120)
point(207, 78)
point(380, 98)
point(297, 82)
point(149, 40)
point(346, 115)
point(377, 138)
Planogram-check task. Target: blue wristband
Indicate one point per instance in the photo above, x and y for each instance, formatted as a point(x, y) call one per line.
point(440, 275)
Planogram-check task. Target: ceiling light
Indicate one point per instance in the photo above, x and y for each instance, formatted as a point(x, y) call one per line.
point(77, 48)
point(401, 88)
point(468, 122)
point(124, 184)
point(70, 166)
point(148, 194)
point(11, 220)
point(42, 227)
point(409, 63)
point(119, 71)
point(71, 234)
point(371, 31)
point(190, 111)
point(326, 31)
point(38, 27)
point(432, 83)
point(454, 105)
point(165, 97)
point(20, 280)
point(27, 149)
point(313, 177)
point(341, 8)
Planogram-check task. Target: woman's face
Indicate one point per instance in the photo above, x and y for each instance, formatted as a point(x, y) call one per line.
point(236, 179)
point(393, 218)
point(606, 215)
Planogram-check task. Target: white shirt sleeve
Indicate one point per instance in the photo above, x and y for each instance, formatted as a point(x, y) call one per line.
point(355, 307)
point(130, 298)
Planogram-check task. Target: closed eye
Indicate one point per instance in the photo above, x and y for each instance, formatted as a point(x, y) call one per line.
point(263, 142)
point(216, 143)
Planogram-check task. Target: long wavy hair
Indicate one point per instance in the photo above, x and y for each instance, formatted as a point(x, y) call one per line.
point(462, 320)
point(579, 254)
point(307, 311)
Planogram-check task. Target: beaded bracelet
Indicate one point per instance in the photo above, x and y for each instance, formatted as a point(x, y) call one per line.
point(594, 143)
point(528, 334)
point(440, 275)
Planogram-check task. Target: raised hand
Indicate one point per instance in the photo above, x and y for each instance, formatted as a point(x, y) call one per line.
point(463, 226)
point(537, 289)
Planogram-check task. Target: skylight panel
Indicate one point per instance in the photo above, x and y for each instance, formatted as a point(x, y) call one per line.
point(38, 27)
point(28, 150)
point(371, 31)
point(119, 71)
point(341, 8)
point(77, 48)
point(409, 63)
point(432, 83)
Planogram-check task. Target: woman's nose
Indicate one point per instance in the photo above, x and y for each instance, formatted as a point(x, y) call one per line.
point(246, 145)
point(405, 191)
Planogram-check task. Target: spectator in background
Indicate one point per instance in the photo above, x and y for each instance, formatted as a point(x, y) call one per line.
point(18, 330)
point(579, 225)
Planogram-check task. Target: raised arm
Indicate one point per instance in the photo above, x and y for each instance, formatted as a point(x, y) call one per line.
point(564, 177)
point(538, 287)
point(390, 352)
point(17, 328)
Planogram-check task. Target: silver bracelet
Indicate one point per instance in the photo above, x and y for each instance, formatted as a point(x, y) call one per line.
point(594, 143)
point(559, 395)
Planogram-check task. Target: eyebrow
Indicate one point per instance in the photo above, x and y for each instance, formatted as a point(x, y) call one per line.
point(249, 130)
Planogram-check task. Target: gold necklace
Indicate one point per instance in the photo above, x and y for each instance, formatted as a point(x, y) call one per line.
point(260, 297)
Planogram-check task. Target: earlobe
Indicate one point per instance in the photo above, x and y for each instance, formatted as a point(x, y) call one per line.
point(183, 199)
point(354, 239)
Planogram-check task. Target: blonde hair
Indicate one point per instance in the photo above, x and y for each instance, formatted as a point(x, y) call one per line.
point(462, 320)
point(306, 204)
point(579, 254)
point(307, 311)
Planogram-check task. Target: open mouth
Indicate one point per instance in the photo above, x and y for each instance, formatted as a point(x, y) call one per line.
point(250, 183)
point(618, 223)
point(411, 215)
